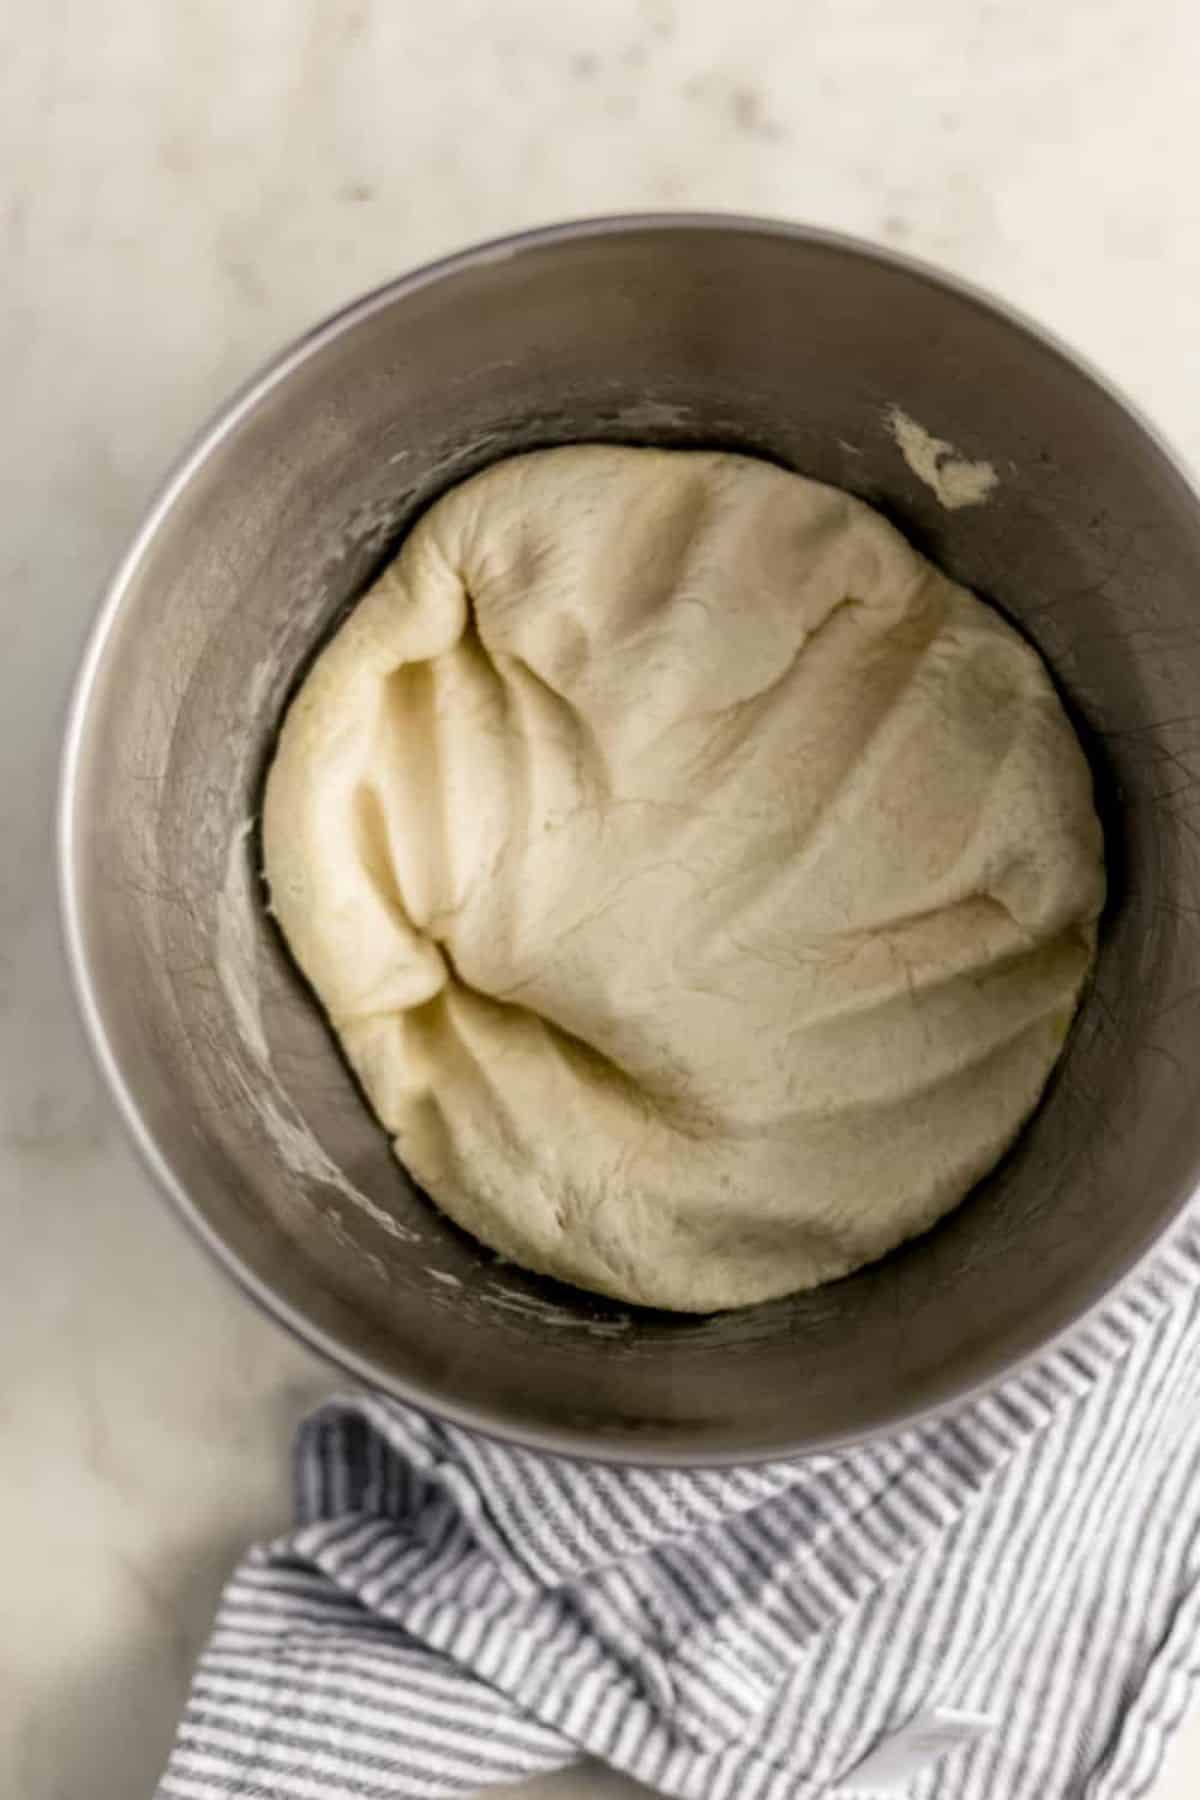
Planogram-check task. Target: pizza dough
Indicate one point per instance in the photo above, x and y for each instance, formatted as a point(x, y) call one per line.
point(700, 883)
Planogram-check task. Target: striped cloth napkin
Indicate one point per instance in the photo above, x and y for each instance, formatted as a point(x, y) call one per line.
point(1003, 1604)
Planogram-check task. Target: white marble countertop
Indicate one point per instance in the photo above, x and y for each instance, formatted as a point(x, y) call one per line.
point(183, 187)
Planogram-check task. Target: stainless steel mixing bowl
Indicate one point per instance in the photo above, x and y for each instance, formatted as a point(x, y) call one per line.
point(675, 330)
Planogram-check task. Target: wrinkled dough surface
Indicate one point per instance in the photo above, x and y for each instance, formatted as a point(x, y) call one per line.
point(700, 883)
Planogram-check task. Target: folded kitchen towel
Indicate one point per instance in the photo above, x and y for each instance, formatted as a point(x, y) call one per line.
point(1001, 1604)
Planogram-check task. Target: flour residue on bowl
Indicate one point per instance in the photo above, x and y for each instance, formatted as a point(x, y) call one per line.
point(237, 966)
point(649, 414)
point(955, 480)
point(533, 1309)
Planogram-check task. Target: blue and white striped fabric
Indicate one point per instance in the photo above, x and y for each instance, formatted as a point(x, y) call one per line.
point(450, 1614)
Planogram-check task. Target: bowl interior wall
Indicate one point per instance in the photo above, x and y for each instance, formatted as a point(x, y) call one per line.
point(791, 347)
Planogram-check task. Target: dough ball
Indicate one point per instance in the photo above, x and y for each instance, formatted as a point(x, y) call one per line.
point(700, 883)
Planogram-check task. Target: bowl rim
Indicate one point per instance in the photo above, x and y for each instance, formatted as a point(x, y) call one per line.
point(221, 424)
